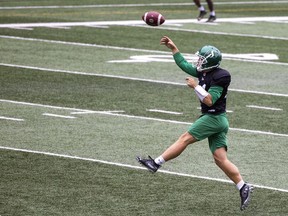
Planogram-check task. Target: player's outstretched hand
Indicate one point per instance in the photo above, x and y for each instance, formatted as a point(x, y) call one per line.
point(169, 43)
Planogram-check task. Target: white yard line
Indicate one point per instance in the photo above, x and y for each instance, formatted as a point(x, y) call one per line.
point(10, 118)
point(164, 111)
point(131, 116)
point(132, 166)
point(58, 116)
point(91, 112)
point(131, 78)
point(265, 108)
point(138, 5)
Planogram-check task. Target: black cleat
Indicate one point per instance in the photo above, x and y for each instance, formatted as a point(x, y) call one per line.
point(245, 194)
point(148, 163)
point(211, 18)
point(201, 15)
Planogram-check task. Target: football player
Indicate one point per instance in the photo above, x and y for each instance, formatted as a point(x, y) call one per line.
point(211, 89)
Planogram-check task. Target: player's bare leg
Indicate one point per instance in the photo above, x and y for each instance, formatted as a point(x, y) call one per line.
point(172, 152)
point(202, 11)
point(178, 147)
point(197, 3)
point(220, 157)
point(212, 16)
point(210, 5)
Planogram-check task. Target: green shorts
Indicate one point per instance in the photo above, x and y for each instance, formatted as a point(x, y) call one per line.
point(213, 127)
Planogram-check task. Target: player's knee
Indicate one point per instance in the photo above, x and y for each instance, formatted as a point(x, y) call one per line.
point(219, 157)
point(187, 138)
point(218, 161)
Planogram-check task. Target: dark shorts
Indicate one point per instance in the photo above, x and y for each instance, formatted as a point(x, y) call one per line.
point(213, 127)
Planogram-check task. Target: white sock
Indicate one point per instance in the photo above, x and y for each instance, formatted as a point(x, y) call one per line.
point(212, 13)
point(240, 184)
point(201, 8)
point(159, 160)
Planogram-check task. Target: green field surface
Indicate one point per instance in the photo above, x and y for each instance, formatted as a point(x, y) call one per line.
point(79, 101)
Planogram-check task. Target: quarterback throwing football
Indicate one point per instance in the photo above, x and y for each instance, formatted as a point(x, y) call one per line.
point(211, 89)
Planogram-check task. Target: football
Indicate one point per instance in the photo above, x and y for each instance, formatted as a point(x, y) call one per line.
point(153, 18)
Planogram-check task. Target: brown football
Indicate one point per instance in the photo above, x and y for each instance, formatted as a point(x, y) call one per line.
point(153, 18)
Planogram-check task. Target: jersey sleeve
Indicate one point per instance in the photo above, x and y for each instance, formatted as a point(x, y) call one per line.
point(215, 92)
point(184, 65)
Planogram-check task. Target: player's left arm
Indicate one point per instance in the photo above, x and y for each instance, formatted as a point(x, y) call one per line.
point(215, 93)
point(178, 57)
point(207, 97)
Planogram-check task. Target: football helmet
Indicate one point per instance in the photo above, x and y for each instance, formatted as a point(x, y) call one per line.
point(208, 57)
